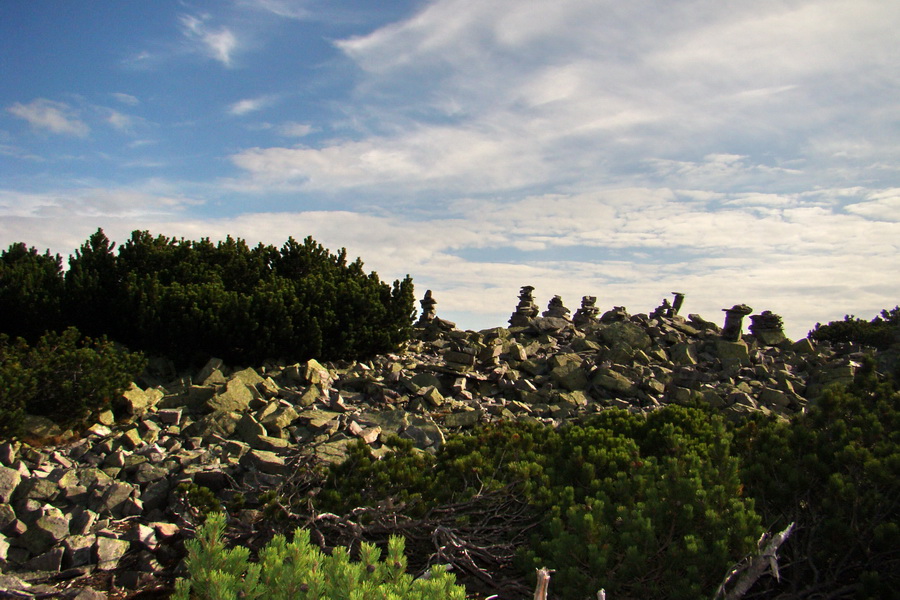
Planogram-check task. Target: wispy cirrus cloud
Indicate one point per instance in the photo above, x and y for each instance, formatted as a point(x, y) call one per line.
point(54, 117)
point(217, 43)
point(250, 105)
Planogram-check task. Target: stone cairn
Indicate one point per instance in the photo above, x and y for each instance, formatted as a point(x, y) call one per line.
point(526, 310)
point(588, 312)
point(734, 321)
point(767, 328)
point(676, 304)
point(663, 310)
point(429, 319)
point(428, 313)
point(556, 309)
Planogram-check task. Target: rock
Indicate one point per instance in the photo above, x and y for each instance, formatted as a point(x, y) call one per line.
point(315, 374)
point(112, 502)
point(248, 429)
point(625, 333)
point(170, 416)
point(615, 382)
point(276, 422)
point(264, 461)
point(7, 517)
point(566, 370)
point(332, 452)
point(79, 550)
point(50, 561)
point(109, 552)
point(424, 433)
point(804, 346)
point(35, 488)
point(219, 423)
point(312, 394)
point(89, 593)
point(9, 479)
point(235, 397)
point(45, 532)
point(8, 451)
point(466, 418)
point(732, 353)
point(684, 353)
point(136, 402)
point(213, 365)
point(39, 427)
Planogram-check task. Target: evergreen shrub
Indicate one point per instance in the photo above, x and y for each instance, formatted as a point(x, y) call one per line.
point(297, 570)
point(189, 300)
point(63, 376)
point(881, 332)
point(642, 506)
point(835, 472)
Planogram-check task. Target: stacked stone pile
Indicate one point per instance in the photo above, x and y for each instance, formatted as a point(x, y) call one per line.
point(108, 501)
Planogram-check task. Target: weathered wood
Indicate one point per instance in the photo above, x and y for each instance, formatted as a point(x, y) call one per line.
point(543, 583)
point(749, 572)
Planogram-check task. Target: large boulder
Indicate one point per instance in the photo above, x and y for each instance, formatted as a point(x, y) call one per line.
point(9, 479)
point(234, 397)
point(627, 334)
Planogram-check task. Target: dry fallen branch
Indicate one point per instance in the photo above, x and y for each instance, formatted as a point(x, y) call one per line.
point(749, 571)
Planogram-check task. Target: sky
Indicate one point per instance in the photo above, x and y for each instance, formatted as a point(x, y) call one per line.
point(738, 152)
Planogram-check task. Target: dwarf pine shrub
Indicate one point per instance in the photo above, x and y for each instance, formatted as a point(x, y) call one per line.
point(641, 505)
point(63, 376)
point(297, 570)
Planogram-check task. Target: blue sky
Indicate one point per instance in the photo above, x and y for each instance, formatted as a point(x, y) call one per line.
point(741, 152)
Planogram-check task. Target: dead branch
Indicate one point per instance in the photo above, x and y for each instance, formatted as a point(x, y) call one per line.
point(749, 571)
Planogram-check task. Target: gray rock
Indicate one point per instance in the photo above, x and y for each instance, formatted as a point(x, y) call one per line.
point(89, 593)
point(235, 397)
point(81, 521)
point(35, 488)
point(8, 452)
point(137, 402)
point(45, 532)
point(50, 561)
point(248, 429)
point(219, 423)
point(276, 422)
point(9, 479)
point(109, 552)
point(625, 333)
point(264, 461)
point(7, 516)
point(732, 353)
point(79, 550)
point(315, 374)
point(212, 365)
point(615, 382)
point(113, 500)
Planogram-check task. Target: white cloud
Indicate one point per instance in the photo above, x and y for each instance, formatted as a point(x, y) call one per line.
point(292, 9)
point(120, 121)
point(219, 44)
point(126, 99)
point(55, 117)
point(249, 105)
point(293, 129)
point(881, 206)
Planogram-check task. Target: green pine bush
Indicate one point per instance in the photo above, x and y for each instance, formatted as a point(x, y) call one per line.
point(642, 506)
point(189, 300)
point(834, 472)
point(297, 570)
point(63, 376)
point(881, 332)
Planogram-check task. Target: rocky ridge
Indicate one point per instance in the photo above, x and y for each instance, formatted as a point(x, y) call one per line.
point(100, 515)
